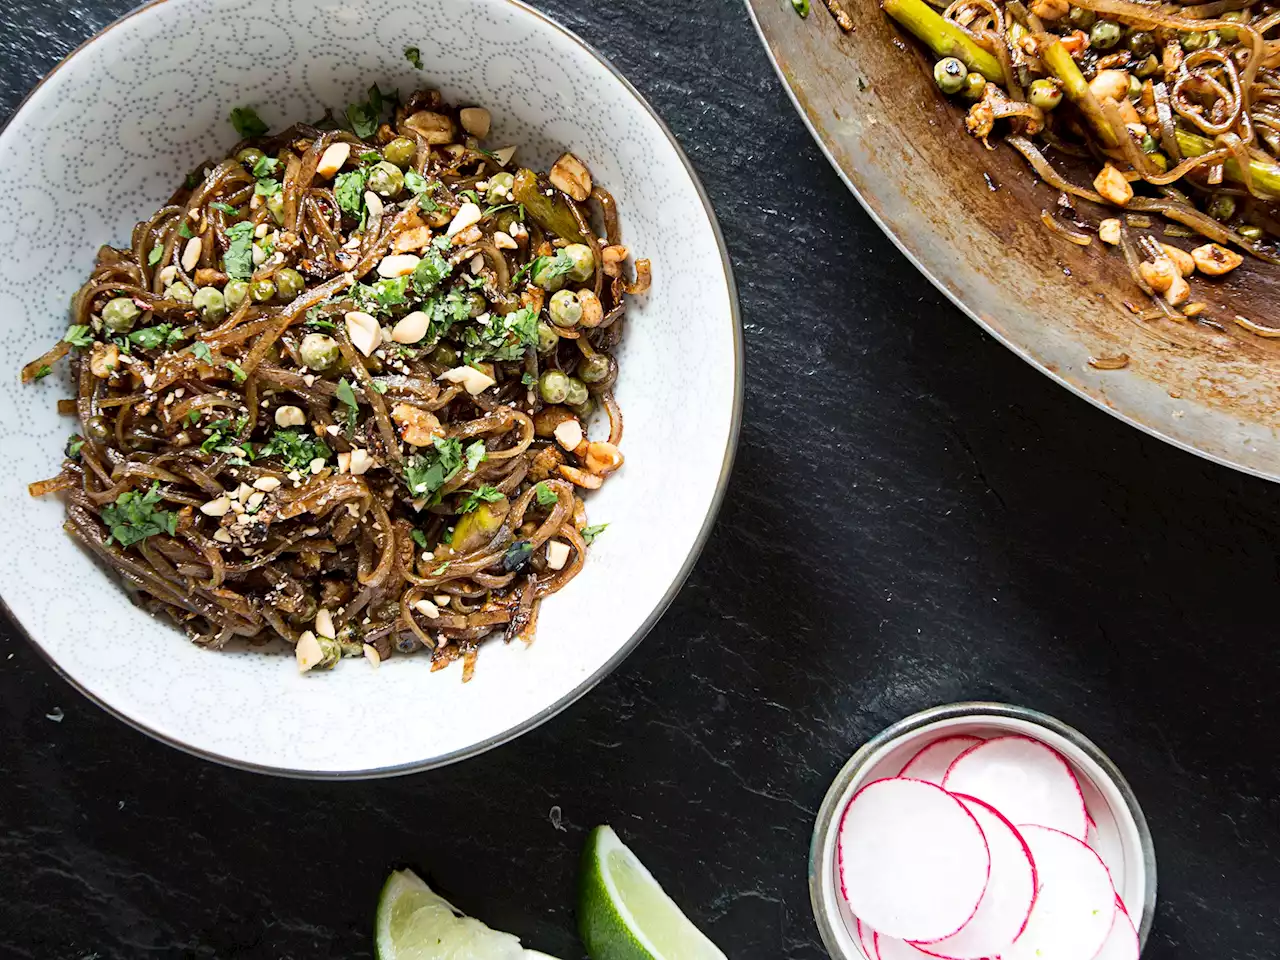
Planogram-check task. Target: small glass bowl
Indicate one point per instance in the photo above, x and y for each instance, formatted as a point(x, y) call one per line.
point(1123, 839)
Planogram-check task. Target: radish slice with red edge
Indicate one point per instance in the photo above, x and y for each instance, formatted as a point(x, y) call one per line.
point(913, 861)
point(1076, 906)
point(931, 763)
point(889, 948)
point(1025, 780)
point(866, 940)
point(1006, 906)
point(1122, 943)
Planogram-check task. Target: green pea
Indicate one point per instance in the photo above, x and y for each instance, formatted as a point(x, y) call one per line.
point(477, 303)
point(1250, 232)
point(949, 74)
point(275, 206)
point(120, 315)
point(1141, 43)
point(1147, 68)
point(583, 411)
point(1160, 161)
point(401, 151)
point(565, 309)
point(542, 276)
point(1150, 144)
point(1231, 34)
point(97, 428)
point(234, 293)
point(548, 339)
point(445, 355)
point(250, 156)
point(575, 392)
point(553, 386)
point(180, 292)
point(1105, 34)
point(500, 187)
point(975, 85)
point(260, 291)
point(1222, 207)
point(1195, 41)
point(594, 368)
point(584, 262)
point(1080, 18)
point(1045, 93)
point(289, 284)
point(319, 351)
point(386, 179)
point(211, 302)
point(1135, 87)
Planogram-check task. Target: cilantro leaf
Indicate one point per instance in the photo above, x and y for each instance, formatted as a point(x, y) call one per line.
point(365, 117)
point(419, 538)
point(184, 231)
point(238, 260)
point(371, 157)
point(546, 496)
point(74, 443)
point(517, 555)
point(44, 371)
point(295, 448)
point(247, 123)
point(347, 397)
point(193, 417)
point(78, 335)
point(414, 56)
point(202, 351)
point(505, 338)
point(547, 268)
point(486, 494)
point(237, 371)
point(134, 517)
point(265, 167)
point(476, 455)
point(590, 533)
point(415, 182)
point(529, 380)
point(267, 187)
point(425, 473)
point(226, 208)
point(160, 336)
point(155, 256)
point(348, 189)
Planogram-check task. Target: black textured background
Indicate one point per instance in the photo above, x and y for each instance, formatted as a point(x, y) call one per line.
point(916, 517)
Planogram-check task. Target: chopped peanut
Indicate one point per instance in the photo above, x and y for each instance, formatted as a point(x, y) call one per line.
point(104, 359)
point(1215, 260)
point(592, 309)
point(333, 160)
point(1159, 274)
point(1110, 83)
point(580, 478)
point(412, 240)
point(476, 121)
point(603, 458)
point(569, 174)
point(1180, 292)
point(1109, 231)
point(612, 259)
point(1050, 9)
point(1185, 263)
point(1111, 183)
point(435, 128)
point(418, 428)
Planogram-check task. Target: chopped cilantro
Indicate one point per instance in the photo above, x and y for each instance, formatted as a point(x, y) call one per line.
point(295, 448)
point(155, 256)
point(193, 417)
point(160, 336)
point(192, 181)
point(431, 271)
point(486, 494)
point(247, 123)
point(425, 473)
point(184, 231)
point(490, 211)
point(265, 167)
point(371, 157)
point(548, 268)
point(237, 371)
point(317, 321)
point(391, 292)
point(267, 187)
point(415, 182)
point(74, 443)
point(348, 189)
point(505, 338)
point(438, 571)
point(347, 397)
point(365, 117)
point(78, 335)
point(476, 455)
point(226, 208)
point(202, 351)
point(801, 7)
point(44, 371)
point(419, 538)
point(134, 517)
point(590, 533)
point(517, 555)
point(546, 496)
point(414, 56)
point(529, 380)
point(238, 260)
point(379, 386)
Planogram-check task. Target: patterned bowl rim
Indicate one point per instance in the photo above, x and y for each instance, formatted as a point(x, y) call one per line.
point(713, 506)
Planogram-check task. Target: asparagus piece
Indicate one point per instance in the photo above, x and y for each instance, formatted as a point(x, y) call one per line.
point(943, 37)
point(1076, 87)
point(1265, 175)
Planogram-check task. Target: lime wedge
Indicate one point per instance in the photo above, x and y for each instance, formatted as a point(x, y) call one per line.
point(416, 923)
point(623, 913)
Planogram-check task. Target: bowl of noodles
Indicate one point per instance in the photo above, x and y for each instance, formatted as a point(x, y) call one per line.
point(369, 378)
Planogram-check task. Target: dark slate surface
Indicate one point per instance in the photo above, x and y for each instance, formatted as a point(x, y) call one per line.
point(916, 518)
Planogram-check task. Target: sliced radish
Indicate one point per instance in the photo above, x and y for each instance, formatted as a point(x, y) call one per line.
point(1025, 780)
point(1122, 943)
point(1091, 835)
point(931, 763)
point(913, 861)
point(1002, 915)
point(1076, 905)
point(867, 940)
point(890, 948)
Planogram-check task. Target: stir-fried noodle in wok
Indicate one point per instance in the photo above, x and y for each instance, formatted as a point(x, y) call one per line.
point(337, 390)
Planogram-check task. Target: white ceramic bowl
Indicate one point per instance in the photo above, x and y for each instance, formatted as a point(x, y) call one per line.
point(1123, 840)
point(102, 143)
